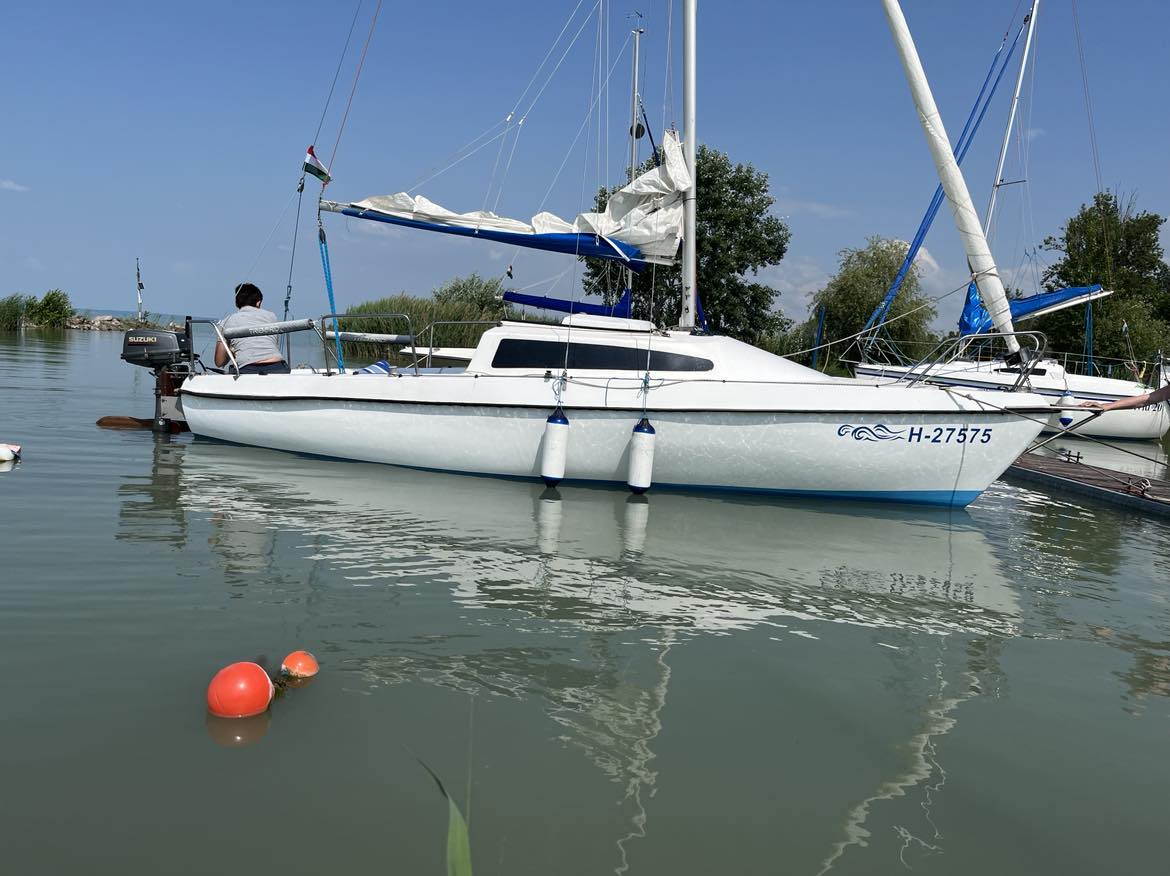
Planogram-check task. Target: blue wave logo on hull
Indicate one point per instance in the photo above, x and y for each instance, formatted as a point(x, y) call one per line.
point(870, 433)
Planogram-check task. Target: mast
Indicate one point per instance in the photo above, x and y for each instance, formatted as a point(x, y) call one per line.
point(138, 278)
point(979, 260)
point(687, 319)
point(1007, 134)
point(634, 125)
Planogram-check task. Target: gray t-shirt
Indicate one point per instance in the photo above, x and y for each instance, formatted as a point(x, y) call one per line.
point(262, 348)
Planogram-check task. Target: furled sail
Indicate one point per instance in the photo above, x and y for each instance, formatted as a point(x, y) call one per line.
point(642, 222)
point(976, 320)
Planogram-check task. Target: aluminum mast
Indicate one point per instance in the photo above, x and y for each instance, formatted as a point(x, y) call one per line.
point(979, 259)
point(687, 319)
point(1007, 134)
point(634, 127)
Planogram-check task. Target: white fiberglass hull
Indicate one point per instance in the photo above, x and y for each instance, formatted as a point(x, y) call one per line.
point(844, 439)
point(1141, 424)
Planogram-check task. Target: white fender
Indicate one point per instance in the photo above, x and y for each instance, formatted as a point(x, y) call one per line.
point(641, 457)
point(555, 448)
point(1066, 417)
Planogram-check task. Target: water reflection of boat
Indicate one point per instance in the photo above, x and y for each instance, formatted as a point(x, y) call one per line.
point(582, 601)
point(719, 563)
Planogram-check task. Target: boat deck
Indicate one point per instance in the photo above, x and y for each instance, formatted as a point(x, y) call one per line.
point(1070, 474)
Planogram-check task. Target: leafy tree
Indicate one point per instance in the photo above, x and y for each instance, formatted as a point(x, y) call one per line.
point(52, 311)
point(736, 238)
point(475, 290)
point(1110, 243)
point(861, 281)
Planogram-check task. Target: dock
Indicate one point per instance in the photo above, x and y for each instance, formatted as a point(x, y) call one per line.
point(1070, 474)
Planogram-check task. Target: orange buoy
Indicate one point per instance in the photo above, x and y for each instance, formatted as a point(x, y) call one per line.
point(299, 664)
point(239, 691)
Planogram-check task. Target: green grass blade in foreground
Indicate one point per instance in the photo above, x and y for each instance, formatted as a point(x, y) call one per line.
point(458, 836)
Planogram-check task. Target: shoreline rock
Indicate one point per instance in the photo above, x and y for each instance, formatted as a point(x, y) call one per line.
point(110, 323)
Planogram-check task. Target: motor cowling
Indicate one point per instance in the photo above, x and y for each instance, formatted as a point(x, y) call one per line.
point(151, 348)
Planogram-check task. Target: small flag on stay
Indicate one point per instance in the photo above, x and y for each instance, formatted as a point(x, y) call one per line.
point(314, 166)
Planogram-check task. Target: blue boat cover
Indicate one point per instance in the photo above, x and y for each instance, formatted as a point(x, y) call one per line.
point(578, 244)
point(975, 319)
point(622, 308)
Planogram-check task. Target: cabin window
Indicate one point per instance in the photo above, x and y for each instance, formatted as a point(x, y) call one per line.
point(550, 356)
point(1016, 370)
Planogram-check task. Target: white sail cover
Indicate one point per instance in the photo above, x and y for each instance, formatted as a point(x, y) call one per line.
point(646, 214)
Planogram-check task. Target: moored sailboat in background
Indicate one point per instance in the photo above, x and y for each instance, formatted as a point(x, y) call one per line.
point(974, 366)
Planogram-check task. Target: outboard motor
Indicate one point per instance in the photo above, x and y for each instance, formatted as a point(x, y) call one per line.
point(168, 355)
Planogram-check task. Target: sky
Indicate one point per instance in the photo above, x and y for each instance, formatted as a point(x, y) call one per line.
point(174, 132)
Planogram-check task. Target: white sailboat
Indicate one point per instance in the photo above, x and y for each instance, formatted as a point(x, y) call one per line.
point(1048, 376)
point(618, 400)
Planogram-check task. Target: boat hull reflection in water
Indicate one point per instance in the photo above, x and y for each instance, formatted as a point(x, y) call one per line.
point(721, 562)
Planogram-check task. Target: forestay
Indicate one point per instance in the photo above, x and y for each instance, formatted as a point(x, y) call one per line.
point(642, 222)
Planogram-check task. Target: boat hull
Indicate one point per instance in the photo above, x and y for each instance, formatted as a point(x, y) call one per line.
point(942, 457)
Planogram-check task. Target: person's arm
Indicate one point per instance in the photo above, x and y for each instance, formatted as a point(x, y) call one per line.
point(1136, 401)
point(221, 356)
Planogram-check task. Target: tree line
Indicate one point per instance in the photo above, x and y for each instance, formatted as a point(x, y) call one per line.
point(1109, 241)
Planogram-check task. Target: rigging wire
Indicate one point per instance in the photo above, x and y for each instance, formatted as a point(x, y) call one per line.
point(1092, 138)
point(292, 259)
point(573, 145)
point(268, 239)
point(337, 72)
point(353, 89)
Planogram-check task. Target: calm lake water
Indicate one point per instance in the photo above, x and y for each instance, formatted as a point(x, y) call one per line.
point(682, 685)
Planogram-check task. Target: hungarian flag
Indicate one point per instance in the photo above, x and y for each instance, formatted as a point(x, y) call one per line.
point(314, 166)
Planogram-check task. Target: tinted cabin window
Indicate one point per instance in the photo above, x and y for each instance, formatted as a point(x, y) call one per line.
point(550, 356)
point(1015, 370)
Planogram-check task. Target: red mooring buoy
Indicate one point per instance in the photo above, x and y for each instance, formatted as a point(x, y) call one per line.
point(239, 691)
point(299, 664)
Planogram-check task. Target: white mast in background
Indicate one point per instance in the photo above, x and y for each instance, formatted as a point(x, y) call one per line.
point(979, 258)
point(634, 125)
point(1007, 134)
point(138, 275)
point(687, 319)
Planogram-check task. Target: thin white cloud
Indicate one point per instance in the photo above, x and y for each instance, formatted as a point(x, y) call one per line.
point(10, 185)
point(927, 264)
point(817, 209)
point(373, 229)
point(797, 280)
point(1032, 133)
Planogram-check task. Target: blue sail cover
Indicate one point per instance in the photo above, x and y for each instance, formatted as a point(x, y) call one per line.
point(622, 308)
point(975, 319)
point(642, 222)
point(572, 243)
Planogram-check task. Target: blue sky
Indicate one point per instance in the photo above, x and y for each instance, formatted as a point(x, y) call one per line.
point(175, 132)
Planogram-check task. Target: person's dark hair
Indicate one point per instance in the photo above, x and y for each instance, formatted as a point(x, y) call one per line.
point(248, 295)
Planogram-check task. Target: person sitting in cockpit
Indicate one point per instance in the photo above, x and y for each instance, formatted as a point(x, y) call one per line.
point(259, 354)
